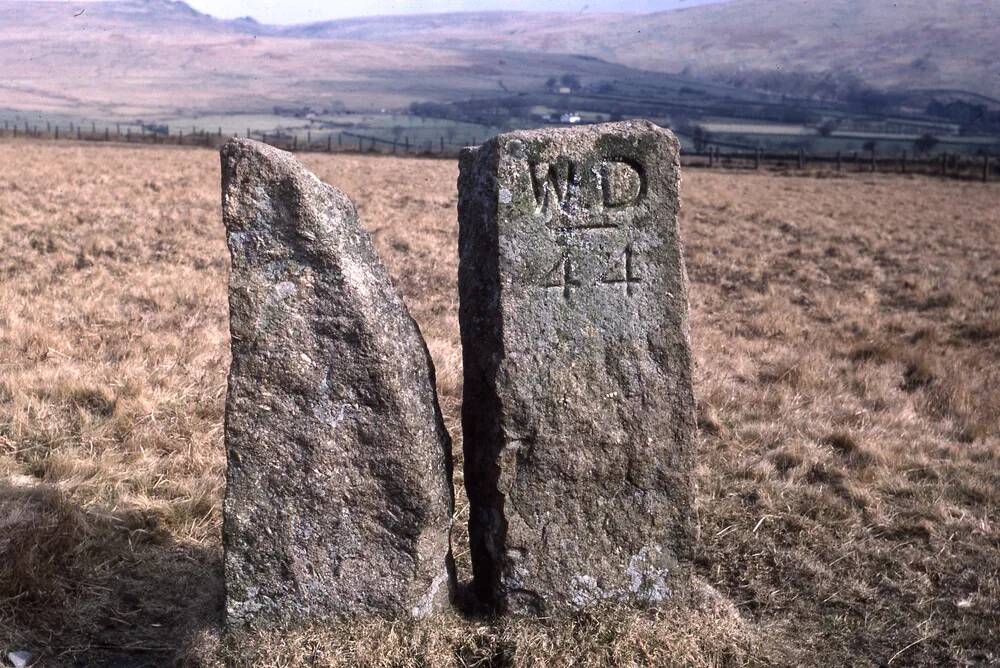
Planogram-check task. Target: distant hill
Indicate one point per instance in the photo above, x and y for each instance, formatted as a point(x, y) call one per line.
point(157, 16)
point(152, 58)
point(918, 44)
point(149, 58)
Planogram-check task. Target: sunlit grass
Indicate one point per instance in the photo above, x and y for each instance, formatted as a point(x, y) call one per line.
point(847, 341)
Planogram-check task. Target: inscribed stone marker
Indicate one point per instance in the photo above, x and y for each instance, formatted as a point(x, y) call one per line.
point(578, 412)
point(338, 486)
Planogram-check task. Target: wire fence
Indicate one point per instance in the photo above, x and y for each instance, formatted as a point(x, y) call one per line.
point(330, 141)
point(952, 165)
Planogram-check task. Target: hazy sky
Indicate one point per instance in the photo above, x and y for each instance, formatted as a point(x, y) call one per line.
point(301, 11)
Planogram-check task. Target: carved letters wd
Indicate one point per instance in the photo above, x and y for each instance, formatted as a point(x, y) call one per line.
point(612, 184)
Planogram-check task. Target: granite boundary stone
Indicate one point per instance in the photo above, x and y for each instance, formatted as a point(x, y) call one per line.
point(578, 410)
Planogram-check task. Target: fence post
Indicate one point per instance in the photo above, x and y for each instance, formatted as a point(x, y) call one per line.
point(340, 139)
point(329, 143)
point(838, 161)
point(118, 129)
point(180, 137)
point(128, 135)
point(48, 127)
point(57, 132)
point(107, 133)
point(309, 137)
point(801, 158)
point(874, 162)
point(79, 134)
point(406, 143)
point(442, 144)
point(902, 162)
point(394, 146)
point(758, 156)
point(986, 168)
point(295, 142)
point(371, 149)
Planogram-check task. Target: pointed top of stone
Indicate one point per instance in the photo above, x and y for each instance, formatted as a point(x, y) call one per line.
point(263, 161)
point(238, 147)
point(248, 166)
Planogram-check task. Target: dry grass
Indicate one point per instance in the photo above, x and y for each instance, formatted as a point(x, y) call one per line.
point(847, 336)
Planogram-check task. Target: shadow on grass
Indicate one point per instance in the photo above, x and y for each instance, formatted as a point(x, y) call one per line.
point(99, 586)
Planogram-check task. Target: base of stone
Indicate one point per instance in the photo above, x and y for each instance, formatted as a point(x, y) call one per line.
point(700, 627)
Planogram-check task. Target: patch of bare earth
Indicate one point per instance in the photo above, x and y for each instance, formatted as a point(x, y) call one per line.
point(847, 338)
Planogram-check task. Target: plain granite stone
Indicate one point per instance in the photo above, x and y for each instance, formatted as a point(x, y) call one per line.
point(338, 486)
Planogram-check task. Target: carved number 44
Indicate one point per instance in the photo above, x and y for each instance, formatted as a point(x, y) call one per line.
point(563, 276)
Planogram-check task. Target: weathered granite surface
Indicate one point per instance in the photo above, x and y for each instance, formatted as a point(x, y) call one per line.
point(338, 486)
point(578, 413)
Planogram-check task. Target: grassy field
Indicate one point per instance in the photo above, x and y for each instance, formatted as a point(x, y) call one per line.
point(847, 341)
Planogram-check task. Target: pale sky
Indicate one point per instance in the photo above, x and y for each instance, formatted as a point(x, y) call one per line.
point(303, 11)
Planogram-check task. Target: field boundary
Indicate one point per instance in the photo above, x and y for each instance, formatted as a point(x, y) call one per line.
point(947, 165)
